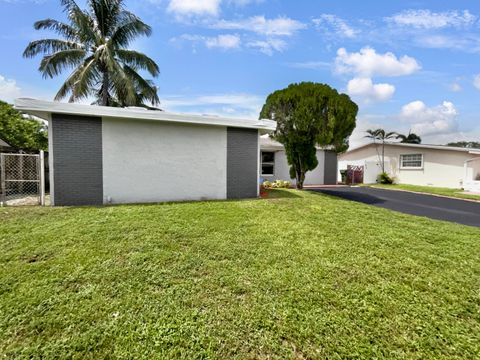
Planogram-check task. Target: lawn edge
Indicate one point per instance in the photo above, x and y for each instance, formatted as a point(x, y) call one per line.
point(424, 193)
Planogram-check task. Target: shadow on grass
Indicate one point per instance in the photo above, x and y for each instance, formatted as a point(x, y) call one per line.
point(267, 194)
point(279, 194)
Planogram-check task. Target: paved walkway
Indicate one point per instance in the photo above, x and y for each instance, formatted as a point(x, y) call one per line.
point(440, 208)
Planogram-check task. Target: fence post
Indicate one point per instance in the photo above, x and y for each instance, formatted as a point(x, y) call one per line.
point(42, 178)
point(2, 181)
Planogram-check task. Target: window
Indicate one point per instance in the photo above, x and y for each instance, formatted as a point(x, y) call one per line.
point(268, 163)
point(411, 161)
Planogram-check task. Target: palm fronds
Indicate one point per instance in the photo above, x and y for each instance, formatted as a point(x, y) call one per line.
point(94, 44)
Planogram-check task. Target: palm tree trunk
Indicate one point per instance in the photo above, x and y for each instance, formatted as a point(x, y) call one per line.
point(104, 90)
point(383, 155)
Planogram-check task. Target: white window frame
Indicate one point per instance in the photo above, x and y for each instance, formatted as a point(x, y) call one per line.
point(411, 167)
point(267, 163)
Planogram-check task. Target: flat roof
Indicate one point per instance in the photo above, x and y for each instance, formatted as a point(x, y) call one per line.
point(43, 109)
point(420, 146)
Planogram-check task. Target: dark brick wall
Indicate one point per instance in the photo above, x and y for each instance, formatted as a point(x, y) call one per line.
point(330, 168)
point(77, 160)
point(242, 163)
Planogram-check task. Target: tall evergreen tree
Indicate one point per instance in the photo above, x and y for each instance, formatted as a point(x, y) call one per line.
point(307, 115)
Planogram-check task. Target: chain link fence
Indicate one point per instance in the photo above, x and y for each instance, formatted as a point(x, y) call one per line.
point(21, 180)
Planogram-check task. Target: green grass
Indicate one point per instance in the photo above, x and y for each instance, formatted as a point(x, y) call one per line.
point(456, 193)
point(302, 275)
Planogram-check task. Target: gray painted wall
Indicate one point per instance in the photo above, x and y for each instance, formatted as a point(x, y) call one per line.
point(77, 160)
point(242, 163)
point(330, 169)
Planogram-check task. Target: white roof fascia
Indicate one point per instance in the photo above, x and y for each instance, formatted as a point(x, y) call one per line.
point(43, 109)
point(420, 146)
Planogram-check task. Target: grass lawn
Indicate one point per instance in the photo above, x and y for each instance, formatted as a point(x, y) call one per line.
point(298, 276)
point(457, 193)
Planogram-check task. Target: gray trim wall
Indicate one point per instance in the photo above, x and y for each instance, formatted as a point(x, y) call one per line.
point(242, 163)
point(330, 168)
point(77, 160)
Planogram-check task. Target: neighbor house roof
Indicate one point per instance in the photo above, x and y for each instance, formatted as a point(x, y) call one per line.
point(267, 143)
point(4, 144)
point(43, 109)
point(420, 146)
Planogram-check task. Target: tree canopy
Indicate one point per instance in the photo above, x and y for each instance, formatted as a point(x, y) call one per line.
point(22, 133)
point(309, 114)
point(94, 45)
point(411, 138)
point(382, 136)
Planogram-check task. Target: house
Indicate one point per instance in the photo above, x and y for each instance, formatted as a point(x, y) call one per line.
point(274, 164)
point(4, 146)
point(417, 164)
point(105, 155)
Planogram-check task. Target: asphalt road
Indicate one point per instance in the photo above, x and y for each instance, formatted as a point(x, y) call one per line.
point(440, 208)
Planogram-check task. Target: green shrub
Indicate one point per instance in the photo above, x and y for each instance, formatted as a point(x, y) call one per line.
point(277, 184)
point(384, 178)
point(267, 184)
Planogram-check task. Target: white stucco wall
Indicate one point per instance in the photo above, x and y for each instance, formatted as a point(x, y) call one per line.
point(441, 168)
point(282, 172)
point(475, 169)
point(147, 161)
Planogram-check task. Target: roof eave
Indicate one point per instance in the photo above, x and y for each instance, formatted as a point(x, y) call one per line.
point(43, 109)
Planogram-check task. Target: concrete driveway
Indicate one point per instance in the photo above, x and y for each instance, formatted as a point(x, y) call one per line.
point(435, 207)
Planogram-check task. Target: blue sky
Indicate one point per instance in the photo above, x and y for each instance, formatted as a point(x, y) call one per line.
point(408, 64)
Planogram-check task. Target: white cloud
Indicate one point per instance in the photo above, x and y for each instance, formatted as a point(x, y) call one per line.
point(312, 65)
point(9, 89)
point(268, 46)
point(332, 23)
point(23, 1)
point(441, 119)
point(280, 26)
point(456, 87)
point(367, 63)
point(476, 81)
point(365, 122)
point(194, 7)
point(232, 105)
point(427, 19)
point(223, 42)
point(243, 2)
point(366, 90)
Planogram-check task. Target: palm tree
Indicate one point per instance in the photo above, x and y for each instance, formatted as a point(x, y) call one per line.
point(94, 44)
point(381, 135)
point(411, 138)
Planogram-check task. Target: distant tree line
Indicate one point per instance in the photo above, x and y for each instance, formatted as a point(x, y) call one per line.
point(466, 144)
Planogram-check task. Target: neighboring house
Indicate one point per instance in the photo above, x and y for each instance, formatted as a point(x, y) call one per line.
point(274, 164)
point(417, 164)
point(103, 155)
point(4, 146)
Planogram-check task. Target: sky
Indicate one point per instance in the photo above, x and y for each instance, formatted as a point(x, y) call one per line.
point(409, 65)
